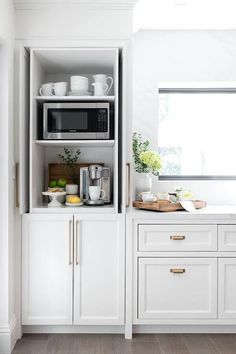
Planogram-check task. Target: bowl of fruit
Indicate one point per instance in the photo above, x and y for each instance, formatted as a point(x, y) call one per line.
point(56, 192)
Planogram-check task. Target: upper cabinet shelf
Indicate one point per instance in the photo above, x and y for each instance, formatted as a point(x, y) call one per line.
point(75, 98)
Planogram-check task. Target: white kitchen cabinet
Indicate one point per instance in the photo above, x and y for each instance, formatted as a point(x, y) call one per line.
point(227, 287)
point(227, 238)
point(177, 288)
point(47, 269)
point(99, 268)
point(73, 263)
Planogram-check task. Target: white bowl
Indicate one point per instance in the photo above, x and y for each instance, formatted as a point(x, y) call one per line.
point(78, 78)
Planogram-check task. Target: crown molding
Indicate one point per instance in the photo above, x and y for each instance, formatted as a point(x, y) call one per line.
point(86, 4)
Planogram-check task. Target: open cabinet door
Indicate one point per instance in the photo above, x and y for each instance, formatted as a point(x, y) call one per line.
point(23, 111)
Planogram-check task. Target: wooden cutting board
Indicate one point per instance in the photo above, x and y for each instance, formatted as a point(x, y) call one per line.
point(165, 205)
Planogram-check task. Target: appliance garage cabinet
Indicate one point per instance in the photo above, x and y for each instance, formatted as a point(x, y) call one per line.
point(184, 271)
point(73, 268)
point(73, 258)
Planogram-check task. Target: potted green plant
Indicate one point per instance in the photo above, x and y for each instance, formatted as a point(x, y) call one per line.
point(70, 157)
point(146, 163)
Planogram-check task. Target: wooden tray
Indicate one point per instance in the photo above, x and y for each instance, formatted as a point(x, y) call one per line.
point(165, 205)
point(59, 170)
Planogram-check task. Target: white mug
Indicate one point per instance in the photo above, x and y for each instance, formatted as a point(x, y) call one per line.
point(100, 89)
point(46, 89)
point(148, 197)
point(96, 193)
point(60, 88)
point(79, 83)
point(104, 80)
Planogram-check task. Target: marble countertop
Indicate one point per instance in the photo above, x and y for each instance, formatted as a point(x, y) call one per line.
point(211, 212)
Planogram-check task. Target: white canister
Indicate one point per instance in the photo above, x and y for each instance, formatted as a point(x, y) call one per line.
point(72, 189)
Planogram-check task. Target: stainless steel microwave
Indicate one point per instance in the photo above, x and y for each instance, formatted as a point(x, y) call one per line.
point(72, 121)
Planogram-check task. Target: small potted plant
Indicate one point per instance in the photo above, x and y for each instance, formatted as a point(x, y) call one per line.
point(70, 158)
point(146, 164)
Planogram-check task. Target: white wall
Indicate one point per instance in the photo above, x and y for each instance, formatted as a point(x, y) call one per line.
point(181, 56)
point(6, 182)
point(185, 14)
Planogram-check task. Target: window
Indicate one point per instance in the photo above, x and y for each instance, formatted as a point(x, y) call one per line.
point(197, 133)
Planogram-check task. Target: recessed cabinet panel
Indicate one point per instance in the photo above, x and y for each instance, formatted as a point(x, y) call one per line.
point(47, 269)
point(153, 238)
point(227, 238)
point(99, 269)
point(227, 287)
point(172, 288)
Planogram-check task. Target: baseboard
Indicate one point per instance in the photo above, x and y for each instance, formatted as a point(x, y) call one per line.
point(74, 329)
point(184, 329)
point(9, 336)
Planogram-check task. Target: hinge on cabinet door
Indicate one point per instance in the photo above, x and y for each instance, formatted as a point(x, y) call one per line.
point(16, 178)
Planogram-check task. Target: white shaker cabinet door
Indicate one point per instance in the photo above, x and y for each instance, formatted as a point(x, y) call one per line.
point(227, 287)
point(99, 269)
point(47, 272)
point(227, 238)
point(177, 288)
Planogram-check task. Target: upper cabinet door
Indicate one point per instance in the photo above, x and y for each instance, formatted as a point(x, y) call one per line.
point(47, 269)
point(99, 269)
point(23, 119)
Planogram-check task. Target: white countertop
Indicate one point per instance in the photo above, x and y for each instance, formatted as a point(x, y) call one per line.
point(211, 212)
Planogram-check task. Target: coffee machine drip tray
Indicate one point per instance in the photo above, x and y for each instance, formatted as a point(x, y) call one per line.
point(94, 202)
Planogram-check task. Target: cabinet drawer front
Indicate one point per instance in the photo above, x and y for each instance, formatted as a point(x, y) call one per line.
point(177, 288)
point(153, 238)
point(227, 238)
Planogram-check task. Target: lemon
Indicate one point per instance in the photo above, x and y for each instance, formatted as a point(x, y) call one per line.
point(73, 199)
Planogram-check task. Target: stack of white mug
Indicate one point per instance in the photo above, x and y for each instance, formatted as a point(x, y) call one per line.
point(54, 89)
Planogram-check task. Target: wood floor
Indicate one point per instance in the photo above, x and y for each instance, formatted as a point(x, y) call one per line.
point(116, 344)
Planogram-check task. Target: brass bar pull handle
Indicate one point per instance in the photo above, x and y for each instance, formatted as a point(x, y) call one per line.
point(17, 185)
point(77, 243)
point(128, 185)
point(70, 257)
point(177, 238)
point(177, 270)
